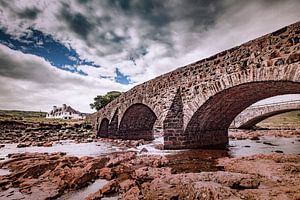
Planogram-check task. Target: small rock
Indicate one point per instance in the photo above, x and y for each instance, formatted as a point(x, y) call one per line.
point(254, 138)
point(144, 150)
point(47, 144)
point(268, 143)
point(89, 140)
point(132, 194)
point(22, 145)
point(106, 173)
point(278, 151)
point(127, 184)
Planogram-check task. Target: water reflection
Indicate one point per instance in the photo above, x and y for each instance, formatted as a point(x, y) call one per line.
point(206, 160)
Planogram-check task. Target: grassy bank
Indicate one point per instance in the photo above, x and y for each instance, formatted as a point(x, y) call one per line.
point(282, 121)
point(32, 117)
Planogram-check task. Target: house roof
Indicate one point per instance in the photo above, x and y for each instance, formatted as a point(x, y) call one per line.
point(66, 109)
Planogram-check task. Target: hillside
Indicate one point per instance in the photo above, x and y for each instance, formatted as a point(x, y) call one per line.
point(29, 117)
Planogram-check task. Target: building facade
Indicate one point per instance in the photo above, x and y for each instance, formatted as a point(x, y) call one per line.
point(65, 112)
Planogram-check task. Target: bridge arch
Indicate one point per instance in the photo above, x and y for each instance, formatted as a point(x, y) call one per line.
point(103, 128)
point(252, 122)
point(137, 122)
point(197, 102)
point(255, 114)
point(209, 125)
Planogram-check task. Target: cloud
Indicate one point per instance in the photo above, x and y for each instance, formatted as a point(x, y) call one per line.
point(77, 22)
point(31, 83)
point(141, 39)
point(29, 13)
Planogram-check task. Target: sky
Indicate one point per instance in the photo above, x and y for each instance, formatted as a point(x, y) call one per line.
point(55, 52)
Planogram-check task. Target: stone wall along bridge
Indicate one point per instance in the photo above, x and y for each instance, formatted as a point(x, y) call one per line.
point(196, 104)
point(255, 114)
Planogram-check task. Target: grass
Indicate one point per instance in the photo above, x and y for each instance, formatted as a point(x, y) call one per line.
point(285, 120)
point(30, 117)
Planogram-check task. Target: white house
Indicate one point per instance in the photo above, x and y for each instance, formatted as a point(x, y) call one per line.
point(65, 112)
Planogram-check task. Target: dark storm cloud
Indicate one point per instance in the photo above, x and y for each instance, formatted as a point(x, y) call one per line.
point(77, 22)
point(157, 16)
point(160, 13)
point(29, 13)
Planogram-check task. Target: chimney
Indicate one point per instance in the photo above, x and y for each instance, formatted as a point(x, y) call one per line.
point(64, 106)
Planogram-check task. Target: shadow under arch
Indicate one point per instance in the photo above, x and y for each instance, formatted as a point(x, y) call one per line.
point(137, 123)
point(209, 125)
point(103, 128)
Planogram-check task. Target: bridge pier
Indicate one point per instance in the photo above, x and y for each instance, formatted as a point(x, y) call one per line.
point(137, 135)
point(209, 139)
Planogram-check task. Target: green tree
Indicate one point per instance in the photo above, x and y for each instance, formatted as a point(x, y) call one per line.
point(102, 100)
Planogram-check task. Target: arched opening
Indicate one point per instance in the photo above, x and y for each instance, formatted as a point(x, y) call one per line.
point(266, 109)
point(137, 123)
point(209, 125)
point(103, 128)
point(254, 121)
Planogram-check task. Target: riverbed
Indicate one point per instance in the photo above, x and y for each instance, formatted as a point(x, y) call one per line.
point(180, 161)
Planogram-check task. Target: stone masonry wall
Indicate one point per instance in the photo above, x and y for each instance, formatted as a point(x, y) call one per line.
point(272, 60)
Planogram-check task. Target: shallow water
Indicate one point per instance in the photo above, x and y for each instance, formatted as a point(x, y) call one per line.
point(84, 192)
point(265, 145)
point(69, 147)
point(199, 160)
point(4, 172)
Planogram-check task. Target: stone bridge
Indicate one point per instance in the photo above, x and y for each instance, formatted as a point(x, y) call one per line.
point(196, 104)
point(255, 114)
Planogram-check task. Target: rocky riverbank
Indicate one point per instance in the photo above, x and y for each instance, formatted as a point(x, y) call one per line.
point(240, 134)
point(20, 132)
point(133, 176)
point(45, 135)
point(193, 174)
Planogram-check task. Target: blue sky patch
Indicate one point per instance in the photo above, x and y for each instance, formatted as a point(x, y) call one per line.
point(37, 43)
point(121, 78)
